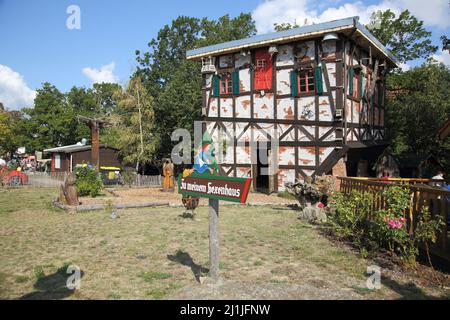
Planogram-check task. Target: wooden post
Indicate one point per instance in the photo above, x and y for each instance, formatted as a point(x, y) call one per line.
point(213, 239)
point(95, 137)
point(94, 124)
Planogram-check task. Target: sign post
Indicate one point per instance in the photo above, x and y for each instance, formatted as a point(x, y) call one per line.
point(203, 181)
point(214, 188)
point(213, 239)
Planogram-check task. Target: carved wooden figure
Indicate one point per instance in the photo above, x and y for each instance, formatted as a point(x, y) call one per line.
point(168, 173)
point(68, 191)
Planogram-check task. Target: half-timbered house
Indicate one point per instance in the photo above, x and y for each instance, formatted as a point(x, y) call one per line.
point(318, 89)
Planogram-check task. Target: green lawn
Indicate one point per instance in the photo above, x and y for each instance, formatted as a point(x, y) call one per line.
point(151, 253)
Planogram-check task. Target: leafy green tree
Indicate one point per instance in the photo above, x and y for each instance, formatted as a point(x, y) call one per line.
point(81, 101)
point(445, 43)
point(225, 29)
point(97, 101)
point(7, 137)
point(174, 82)
point(181, 101)
point(104, 96)
point(284, 26)
point(135, 123)
point(418, 104)
point(49, 123)
point(404, 35)
point(167, 52)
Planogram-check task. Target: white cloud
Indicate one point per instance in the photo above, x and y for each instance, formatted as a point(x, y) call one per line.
point(432, 12)
point(105, 74)
point(405, 66)
point(14, 92)
point(443, 56)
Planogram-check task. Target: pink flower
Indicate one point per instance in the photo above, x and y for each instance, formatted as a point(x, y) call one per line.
point(402, 219)
point(395, 224)
point(320, 205)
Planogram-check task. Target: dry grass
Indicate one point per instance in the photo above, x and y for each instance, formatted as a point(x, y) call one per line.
point(151, 253)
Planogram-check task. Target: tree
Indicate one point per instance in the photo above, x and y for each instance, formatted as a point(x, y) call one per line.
point(7, 138)
point(418, 104)
point(135, 123)
point(404, 35)
point(104, 96)
point(225, 29)
point(174, 82)
point(167, 52)
point(445, 43)
point(179, 105)
point(284, 26)
point(49, 123)
point(81, 101)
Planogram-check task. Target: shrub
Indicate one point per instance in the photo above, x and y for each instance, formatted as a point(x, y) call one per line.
point(354, 220)
point(88, 181)
point(388, 226)
point(427, 230)
point(129, 176)
point(351, 214)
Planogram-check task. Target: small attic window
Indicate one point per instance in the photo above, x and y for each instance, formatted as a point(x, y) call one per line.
point(207, 61)
point(261, 63)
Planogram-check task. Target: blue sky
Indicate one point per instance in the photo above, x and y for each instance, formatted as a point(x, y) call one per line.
point(36, 45)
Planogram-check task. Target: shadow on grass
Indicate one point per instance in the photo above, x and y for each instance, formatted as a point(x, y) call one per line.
point(52, 286)
point(187, 215)
point(185, 259)
point(409, 291)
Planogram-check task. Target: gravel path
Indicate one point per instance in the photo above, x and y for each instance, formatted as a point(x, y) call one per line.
point(231, 290)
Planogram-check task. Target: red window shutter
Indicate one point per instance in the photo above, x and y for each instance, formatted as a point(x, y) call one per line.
point(263, 70)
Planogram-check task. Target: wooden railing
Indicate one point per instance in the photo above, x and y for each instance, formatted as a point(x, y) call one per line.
point(421, 195)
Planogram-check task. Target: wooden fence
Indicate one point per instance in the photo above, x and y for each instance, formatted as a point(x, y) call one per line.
point(55, 179)
point(45, 180)
point(147, 181)
point(421, 195)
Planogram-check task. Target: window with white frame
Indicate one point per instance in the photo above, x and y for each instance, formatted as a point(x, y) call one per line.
point(57, 161)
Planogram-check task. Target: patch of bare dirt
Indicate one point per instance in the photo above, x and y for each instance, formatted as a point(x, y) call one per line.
point(233, 290)
point(141, 195)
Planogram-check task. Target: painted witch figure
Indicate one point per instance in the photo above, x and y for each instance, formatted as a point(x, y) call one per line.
point(204, 162)
point(205, 159)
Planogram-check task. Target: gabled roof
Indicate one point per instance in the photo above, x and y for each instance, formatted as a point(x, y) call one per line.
point(347, 26)
point(73, 148)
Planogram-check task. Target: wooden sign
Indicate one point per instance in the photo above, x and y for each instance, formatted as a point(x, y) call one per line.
point(215, 187)
point(203, 181)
